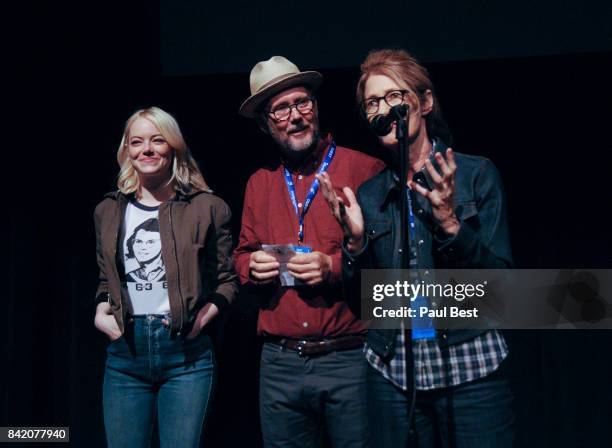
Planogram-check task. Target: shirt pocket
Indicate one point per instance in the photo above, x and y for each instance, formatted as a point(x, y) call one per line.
point(468, 212)
point(379, 233)
point(377, 229)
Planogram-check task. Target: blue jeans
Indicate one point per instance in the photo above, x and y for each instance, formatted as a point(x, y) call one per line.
point(471, 415)
point(148, 374)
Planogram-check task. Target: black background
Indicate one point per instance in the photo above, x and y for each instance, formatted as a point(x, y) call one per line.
point(200, 38)
point(541, 113)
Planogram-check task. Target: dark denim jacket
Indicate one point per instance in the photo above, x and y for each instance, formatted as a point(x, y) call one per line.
point(482, 241)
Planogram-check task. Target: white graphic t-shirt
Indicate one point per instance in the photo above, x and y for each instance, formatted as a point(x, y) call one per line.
point(145, 273)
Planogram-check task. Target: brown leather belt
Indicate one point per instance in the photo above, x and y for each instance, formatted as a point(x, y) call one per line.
point(309, 348)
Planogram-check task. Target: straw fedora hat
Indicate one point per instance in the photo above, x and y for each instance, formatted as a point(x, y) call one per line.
point(273, 76)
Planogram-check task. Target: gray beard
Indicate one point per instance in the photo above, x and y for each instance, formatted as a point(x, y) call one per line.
point(295, 157)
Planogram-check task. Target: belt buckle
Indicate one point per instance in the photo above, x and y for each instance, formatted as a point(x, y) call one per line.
point(300, 347)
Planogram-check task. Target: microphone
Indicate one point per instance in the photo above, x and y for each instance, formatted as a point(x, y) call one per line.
point(381, 124)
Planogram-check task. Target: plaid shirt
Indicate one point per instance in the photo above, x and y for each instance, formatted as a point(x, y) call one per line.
point(463, 362)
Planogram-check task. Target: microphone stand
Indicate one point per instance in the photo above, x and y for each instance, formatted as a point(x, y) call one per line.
point(401, 133)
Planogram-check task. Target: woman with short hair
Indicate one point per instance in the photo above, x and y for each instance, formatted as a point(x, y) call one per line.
point(446, 385)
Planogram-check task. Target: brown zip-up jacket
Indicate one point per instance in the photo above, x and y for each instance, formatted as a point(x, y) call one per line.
point(196, 250)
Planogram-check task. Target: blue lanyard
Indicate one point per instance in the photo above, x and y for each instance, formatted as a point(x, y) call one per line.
point(411, 230)
point(422, 327)
point(311, 193)
point(411, 234)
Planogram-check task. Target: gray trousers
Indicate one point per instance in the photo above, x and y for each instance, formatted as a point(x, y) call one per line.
point(302, 398)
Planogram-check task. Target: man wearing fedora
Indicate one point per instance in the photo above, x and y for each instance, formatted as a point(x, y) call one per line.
point(289, 253)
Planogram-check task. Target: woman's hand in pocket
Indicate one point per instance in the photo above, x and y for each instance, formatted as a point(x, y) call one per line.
point(105, 321)
point(207, 313)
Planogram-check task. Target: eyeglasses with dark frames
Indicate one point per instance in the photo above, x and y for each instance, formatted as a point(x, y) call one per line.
point(282, 113)
point(392, 98)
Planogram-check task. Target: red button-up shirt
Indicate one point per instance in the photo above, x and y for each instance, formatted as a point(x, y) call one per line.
point(269, 217)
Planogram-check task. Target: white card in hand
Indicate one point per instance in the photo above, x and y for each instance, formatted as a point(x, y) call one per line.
point(283, 253)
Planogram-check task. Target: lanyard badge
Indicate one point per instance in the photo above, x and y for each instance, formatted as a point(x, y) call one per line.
point(422, 327)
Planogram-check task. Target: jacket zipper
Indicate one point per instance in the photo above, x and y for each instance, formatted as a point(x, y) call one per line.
point(178, 273)
point(115, 242)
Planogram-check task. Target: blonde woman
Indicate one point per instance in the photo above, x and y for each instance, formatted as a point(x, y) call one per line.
point(163, 246)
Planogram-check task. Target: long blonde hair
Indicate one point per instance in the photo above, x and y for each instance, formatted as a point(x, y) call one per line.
point(186, 175)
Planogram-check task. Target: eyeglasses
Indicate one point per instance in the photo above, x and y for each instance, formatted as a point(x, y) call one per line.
point(392, 98)
point(282, 113)
point(145, 243)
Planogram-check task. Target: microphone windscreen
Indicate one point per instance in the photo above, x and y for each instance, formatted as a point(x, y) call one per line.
point(381, 125)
